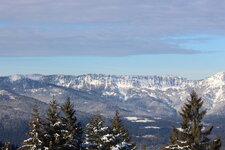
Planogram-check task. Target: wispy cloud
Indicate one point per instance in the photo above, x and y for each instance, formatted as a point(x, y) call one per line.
point(106, 28)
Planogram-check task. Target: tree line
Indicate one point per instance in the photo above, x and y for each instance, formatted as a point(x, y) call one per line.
point(60, 130)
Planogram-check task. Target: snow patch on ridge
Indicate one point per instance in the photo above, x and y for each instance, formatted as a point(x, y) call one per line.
point(6, 93)
point(141, 120)
point(149, 136)
point(152, 127)
point(15, 77)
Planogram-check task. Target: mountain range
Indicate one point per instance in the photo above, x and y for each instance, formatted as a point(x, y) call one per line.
point(137, 95)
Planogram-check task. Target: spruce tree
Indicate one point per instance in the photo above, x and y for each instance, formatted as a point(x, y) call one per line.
point(35, 134)
point(192, 135)
point(122, 138)
point(97, 136)
point(74, 131)
point(55, 129)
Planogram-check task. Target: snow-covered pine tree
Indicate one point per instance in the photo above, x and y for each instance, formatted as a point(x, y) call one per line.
point(122, 139)
point(35, 133)
point(54, 128)
point(97, 136)
point(74, 132)
point(192, 135)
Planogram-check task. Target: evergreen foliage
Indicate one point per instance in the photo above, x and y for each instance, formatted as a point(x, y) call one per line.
point(192, 135)
point(35, 134)
point(57, 132)
point(73, 136)
point(55, 129)
point(97, 137)
point(122, 140)
point(63, 132)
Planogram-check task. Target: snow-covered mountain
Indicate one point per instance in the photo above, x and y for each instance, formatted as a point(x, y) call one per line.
point(141, 95)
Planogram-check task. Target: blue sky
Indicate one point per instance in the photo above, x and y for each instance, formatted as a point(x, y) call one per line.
point(147, 37)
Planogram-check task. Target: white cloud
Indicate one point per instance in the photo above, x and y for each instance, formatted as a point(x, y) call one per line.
point(104, 28)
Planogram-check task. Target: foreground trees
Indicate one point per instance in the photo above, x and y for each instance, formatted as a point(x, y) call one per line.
point(60, 130)
point(192, 135)
point(35, 133)
point(74, 133)
point(97, 137)
point(57, 132)
point(114, 137)
point(121, 137)
point(55, 129)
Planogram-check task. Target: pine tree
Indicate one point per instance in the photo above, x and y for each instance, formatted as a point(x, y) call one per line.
point(122, 138)
point(55, 129)
point(35, 134)
point(74, 132)
point(192, 135)
point(97, 136)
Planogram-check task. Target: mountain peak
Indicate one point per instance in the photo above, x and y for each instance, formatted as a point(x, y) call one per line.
point(220, 75)
point(17, 77)
point(218, 78)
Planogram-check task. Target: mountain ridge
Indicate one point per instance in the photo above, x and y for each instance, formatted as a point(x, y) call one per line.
point(169, 91)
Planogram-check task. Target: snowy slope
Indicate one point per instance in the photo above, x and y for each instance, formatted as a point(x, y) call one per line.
point(172, 90)
point(145, 92)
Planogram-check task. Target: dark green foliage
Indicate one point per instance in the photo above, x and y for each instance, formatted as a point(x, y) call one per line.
point(35, 134)
point(118, 128)
point(97, 136)
point(74, 135)
point(57, 132)
point(192, 135)
point(63, 132)
point(55, 129)
point(121, 136)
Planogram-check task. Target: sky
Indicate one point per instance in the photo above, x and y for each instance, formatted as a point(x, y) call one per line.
point(135, 37)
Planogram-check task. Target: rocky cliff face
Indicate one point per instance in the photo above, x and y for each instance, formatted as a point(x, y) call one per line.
point(143, 95)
